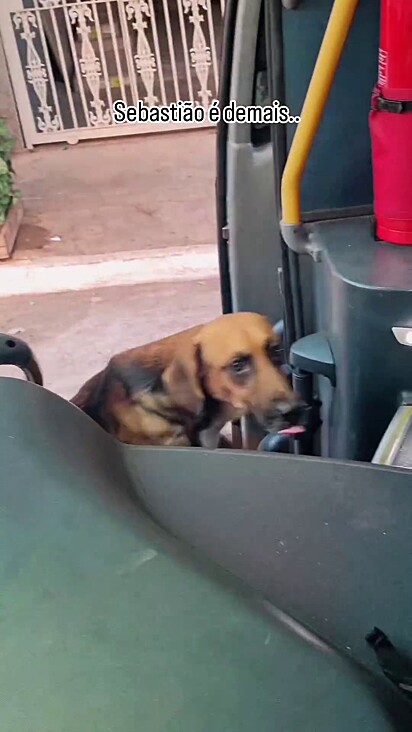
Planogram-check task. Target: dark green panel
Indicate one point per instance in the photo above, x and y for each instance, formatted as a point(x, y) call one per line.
point(338, 173)
point(363, 290)
point(110, 625)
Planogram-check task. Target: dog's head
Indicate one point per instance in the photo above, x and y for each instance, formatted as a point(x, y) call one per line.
point(236, 360)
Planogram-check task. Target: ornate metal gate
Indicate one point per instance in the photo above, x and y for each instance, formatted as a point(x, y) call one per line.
point(71, 60)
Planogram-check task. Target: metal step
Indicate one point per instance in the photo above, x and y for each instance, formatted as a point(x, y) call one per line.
point(395, 448)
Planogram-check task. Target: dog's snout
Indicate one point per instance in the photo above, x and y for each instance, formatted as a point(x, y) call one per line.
point(296, 414)
point(287, 413)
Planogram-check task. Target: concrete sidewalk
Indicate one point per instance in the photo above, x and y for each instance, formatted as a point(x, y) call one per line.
point(73, 334)
point(121, 195)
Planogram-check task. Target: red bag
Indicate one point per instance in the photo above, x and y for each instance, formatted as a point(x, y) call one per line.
point(390, 124)
point(391, 137)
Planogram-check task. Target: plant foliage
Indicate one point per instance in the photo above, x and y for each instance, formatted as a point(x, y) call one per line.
point(8, 194)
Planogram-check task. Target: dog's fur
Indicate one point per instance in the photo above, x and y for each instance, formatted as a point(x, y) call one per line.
point(183, 389)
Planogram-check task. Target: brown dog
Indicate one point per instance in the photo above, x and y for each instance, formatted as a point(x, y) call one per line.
point(183, 389)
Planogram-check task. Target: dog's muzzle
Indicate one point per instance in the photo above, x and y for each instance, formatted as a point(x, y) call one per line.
point(286, 415)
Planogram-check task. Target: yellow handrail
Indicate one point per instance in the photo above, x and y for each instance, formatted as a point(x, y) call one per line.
point(323, 74)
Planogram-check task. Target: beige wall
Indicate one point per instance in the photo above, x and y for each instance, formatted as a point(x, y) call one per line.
point(7, 103)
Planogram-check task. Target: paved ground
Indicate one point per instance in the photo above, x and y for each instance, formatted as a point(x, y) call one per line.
point(136, 212)
point(74, 333)
point(119, 195)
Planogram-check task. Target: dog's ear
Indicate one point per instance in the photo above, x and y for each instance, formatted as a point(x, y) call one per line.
point(182, 379)
point(90, 397)
point(87, 394)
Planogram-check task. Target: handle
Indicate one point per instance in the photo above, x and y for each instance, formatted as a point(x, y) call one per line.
point(327, 62)
point(15, 352)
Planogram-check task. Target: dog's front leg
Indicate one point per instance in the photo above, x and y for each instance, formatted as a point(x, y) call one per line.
point(210, 438)
point(224, 443)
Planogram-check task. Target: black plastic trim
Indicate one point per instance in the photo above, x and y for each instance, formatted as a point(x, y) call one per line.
point(292, 294)
point(15, 352)
point(221, 154)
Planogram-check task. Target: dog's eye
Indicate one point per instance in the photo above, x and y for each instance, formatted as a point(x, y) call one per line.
point(275, 353)
point(240, 365)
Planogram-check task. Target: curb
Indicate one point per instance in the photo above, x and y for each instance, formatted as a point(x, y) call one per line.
point(63, 274)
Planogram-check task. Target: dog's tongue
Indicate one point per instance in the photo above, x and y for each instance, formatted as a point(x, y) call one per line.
point(292, 431)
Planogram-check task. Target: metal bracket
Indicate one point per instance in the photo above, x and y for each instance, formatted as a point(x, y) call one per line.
point(299, 238)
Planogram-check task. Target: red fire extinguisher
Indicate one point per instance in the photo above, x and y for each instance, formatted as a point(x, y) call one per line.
point(391, 125)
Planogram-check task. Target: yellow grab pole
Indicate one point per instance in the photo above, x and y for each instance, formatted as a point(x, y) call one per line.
point(323, 74)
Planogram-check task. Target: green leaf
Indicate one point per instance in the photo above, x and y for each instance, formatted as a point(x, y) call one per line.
point(7, 192)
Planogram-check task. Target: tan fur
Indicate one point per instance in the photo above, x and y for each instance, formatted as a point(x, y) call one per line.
point(150, 421)
point(242, 332)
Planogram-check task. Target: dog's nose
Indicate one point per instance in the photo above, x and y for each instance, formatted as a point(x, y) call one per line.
point(293, 413)
point(296, 415)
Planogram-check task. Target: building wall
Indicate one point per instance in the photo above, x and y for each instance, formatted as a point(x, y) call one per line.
point(7, 104)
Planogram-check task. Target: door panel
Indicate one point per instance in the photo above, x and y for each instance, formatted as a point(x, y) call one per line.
point(253, 244)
